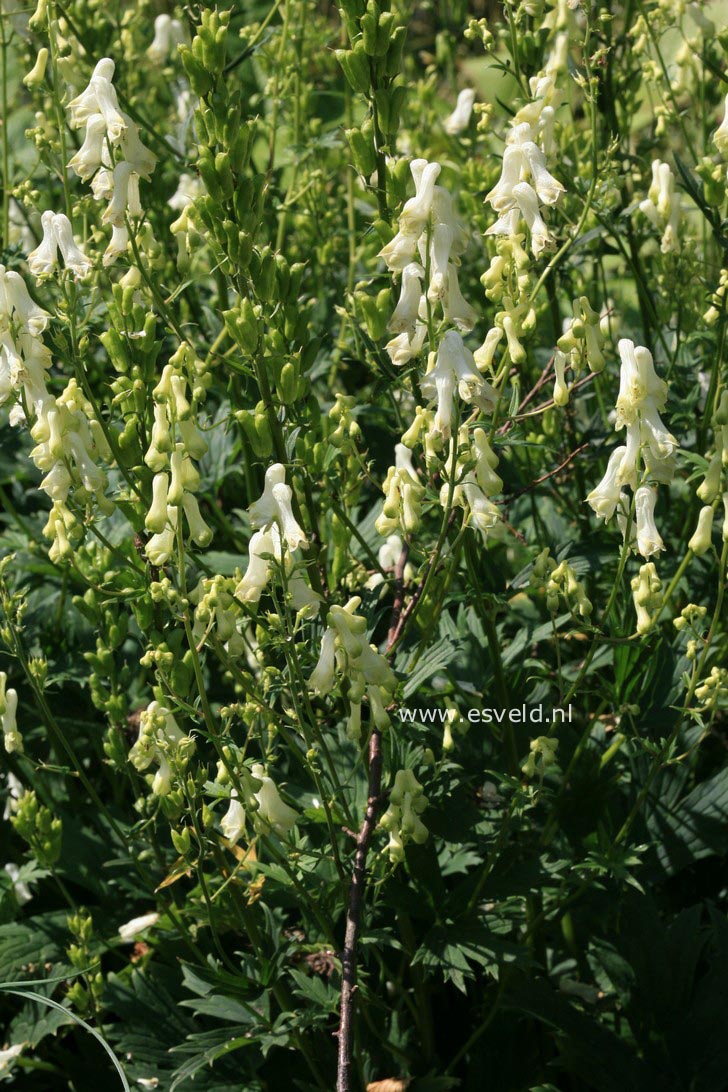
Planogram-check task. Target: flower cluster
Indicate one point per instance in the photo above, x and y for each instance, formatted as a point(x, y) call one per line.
point(176, 478)
point(161, 741)
point(581, 342)
point(401, 820)
point(262, 803)
point(430, 228)
point(57, 235)
point(662, 206)
point(112, 155)
point(68, 438)
point(277, 536)
point(526, 185)
point(12, 738)
point(642, 396)
point(646, 587)
point(428, 222)
point(346, 652)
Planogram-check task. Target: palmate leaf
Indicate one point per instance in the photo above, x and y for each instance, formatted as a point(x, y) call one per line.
point(455, 949)
point(31, 996)
point(41, 940)
point(150, 1022)
point(206, 1048)
point(692, 827)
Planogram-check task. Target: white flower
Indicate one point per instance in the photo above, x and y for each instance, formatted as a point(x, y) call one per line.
point(455, 370)
point(402, 348)
point(404, 317)
point(721, 134)
point(605, 496)
point(168, 32)
point(99, 97)
point(189, 188)
point(415, 214)
point(14, 787)
point(272, 812)
point(275, 507)
point(73, 257)
point(232, 823)
point(102, 184)
point(15, 303)
point(139, 157)
point(57, 233)
point(94, 152)
point(456, 308)
point(132, 928)
point(8, 1056)
point(638, 382)
point(527, 200)
point(44, 259)
point(118, 244)
point(125, 198)
point(548, 188)
point(23, 893)
point(440, 247)
point(321, 680)
point(649, 541)
point(262, 546)
point(459, 119)
point(12, 739)
point(400, 251)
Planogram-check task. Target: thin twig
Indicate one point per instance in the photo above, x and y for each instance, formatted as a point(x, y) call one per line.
point(353, 916)
point(545, 477)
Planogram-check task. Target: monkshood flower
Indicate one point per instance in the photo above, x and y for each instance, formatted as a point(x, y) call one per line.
point(274, 508)
point(403, 493)
point(646, 595)
point(720, 138)
point(161, 741)
point(12, 738)
point(17, 307)
point(454, 371)
point(273, 813)
point(168, 33)
point(264, 547)
point(57, 235)
point(609, 493)
point(99, 97)
point(233, 821)
point(345, 653)
point(662, 206)
point(94, 152)
point(401, 820)
point(701, 538)
point(649, 541)
point(131, 929)
point(642, 394)
point(459, 119)
point(406, 312)
point(525, 182)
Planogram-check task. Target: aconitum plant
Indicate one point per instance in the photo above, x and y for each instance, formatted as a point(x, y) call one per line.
point(364, 487)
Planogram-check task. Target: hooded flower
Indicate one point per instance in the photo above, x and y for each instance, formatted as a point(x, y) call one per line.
point(94, 151)
point(272, 813)
point(459, 119)
point(649, 541)
point(99, 97)
point(454, 370)
point(274, 507)
point(131, 929)
point(57, 235)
